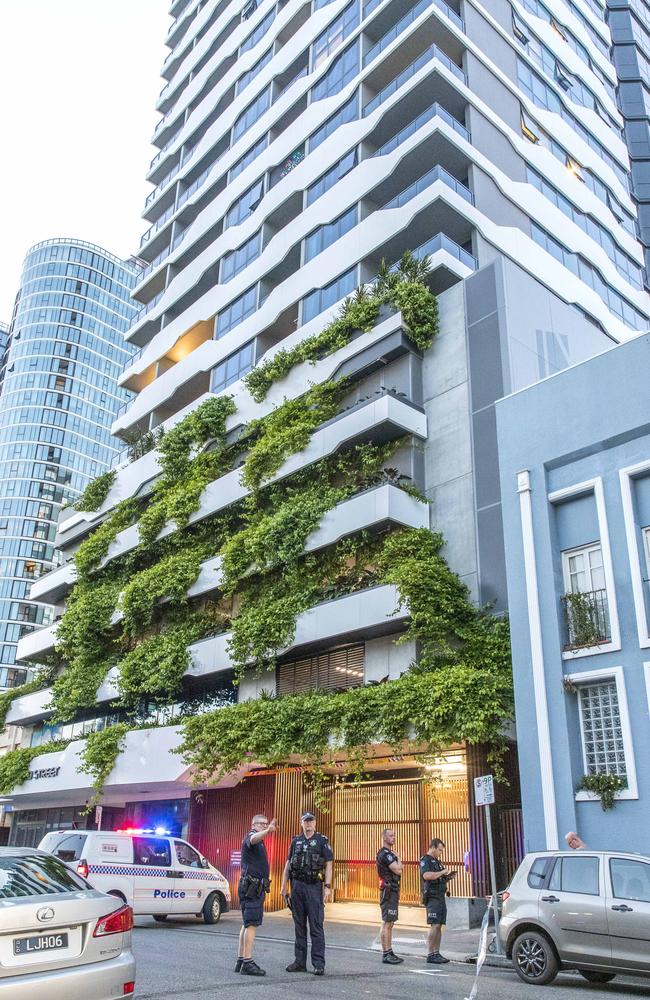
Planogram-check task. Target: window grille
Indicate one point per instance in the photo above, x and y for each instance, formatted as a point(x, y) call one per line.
point(337, 668)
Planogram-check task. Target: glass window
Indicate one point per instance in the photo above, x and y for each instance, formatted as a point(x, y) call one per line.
point(335, 33)
point(237, 260)
point(258, 32)
point(324, 236)
point(602, 729)
point(584, 569)
point(539, 872)
point(344, 69)
point(237, 312)
point(576, 873)
point(323, 298)
point(348, 113)
point(36, 875)
point(251, 114)
point(630, 879)
point(246, 204)
point(151, 851)
point(186, 855)
point(70, 848)
point(333, 175)
point(232, 368)
point(250, 74)
point(248, 157)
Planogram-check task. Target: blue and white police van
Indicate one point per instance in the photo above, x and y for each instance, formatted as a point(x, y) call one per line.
point(150, 870)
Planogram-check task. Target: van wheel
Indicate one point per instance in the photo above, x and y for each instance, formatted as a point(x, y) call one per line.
point(597, 977)
point(160, 917)
point(212, 909)
point(534, 959)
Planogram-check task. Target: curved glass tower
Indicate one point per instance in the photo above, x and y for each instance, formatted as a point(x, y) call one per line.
point(59, 395)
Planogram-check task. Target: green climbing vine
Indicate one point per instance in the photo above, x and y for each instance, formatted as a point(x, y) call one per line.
point(15, 765)
point(99, 753)
point(94, 548)
point(402, 288)
point(168, 579)
point(96, 492)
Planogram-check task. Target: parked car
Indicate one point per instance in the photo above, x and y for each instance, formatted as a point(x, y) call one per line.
point(584, 910)
point(59, 937)
point(154, 873)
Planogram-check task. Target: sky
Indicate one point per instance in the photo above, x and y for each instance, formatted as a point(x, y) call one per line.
point(78, 85)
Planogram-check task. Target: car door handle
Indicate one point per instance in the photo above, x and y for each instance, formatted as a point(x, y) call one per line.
point(550, 899)
point(623, 908)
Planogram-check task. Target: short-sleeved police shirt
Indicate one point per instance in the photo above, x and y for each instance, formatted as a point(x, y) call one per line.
point(385, 858)
point(254, 859)
point(438, 886)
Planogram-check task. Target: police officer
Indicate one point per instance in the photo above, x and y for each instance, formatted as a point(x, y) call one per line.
point(309, 869)
point(435, 877)
point(253, 885)
point(389, 869)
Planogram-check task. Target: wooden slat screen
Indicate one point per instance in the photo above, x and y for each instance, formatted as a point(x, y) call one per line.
point(446, 815)
point(337, 668)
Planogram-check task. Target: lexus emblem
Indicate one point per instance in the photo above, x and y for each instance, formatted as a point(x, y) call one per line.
point(45, 913)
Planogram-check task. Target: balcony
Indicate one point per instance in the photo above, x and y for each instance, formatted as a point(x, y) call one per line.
point(437, 173)
point(434, 110)
point(586, 619)
point(432, 52)
point(12, 677)
point(404, 22)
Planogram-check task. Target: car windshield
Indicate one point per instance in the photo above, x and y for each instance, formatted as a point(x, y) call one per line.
point(35, 875)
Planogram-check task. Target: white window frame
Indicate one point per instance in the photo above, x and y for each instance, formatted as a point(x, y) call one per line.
point(595, 486)
point(615, 674)
point(626, 476)
point(578, 550)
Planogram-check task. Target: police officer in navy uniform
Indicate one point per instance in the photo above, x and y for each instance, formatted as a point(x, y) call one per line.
point(435, 877)
point(253, 886)
point(389, 869)
point(309, 869)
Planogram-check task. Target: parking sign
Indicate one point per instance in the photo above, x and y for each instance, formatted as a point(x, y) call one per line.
point(484, 790)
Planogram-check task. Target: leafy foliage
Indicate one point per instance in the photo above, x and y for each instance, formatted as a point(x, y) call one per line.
point(206, 423)
point(403, 288)
point(170, 579)
point(604, 785)
point(96, 492)
point(94, 548)
point(99, 754)
point(15, 764)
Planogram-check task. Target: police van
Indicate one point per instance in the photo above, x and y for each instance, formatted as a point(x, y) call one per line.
point(151, 871)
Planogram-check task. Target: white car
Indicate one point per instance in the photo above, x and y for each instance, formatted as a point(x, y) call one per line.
point(154, 873)
point(60, 939)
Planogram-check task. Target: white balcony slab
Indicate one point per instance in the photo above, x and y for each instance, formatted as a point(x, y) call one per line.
point(53, 586)
point(146, 766)
point(38, 643)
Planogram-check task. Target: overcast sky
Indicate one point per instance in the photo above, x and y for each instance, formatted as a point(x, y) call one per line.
point(78, 85)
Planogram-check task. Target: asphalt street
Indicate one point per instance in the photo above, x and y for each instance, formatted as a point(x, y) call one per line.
point(185, 960)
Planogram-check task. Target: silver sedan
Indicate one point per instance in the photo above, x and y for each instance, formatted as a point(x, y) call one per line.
point(59, 938)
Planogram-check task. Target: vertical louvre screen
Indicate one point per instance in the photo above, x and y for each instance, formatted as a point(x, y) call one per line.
point(338, 668)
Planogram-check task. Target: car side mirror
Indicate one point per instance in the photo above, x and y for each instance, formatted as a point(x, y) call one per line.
point(205, 863)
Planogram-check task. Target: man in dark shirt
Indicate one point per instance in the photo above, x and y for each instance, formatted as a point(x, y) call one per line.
point(389, 869)
point(253, 885)
point(435, 877)
point(309, 868)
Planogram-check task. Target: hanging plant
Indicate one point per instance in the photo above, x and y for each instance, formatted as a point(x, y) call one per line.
point(606, 786)
point(96, 492)
point(206, 423)
point(169, 579)
point(99, 753)
point(94, 548)
point(15, 765)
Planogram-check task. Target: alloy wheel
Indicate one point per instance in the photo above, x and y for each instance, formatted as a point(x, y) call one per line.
point(531, 958)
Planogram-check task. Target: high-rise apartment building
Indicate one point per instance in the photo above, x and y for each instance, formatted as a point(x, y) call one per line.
point(629, 23)
point(302, 145)
point(58, 397)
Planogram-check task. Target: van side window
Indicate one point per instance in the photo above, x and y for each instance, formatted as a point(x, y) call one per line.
point(539, 872)
point(151, 851)
point(186, 855)
point(576, 874)
point(71, 848)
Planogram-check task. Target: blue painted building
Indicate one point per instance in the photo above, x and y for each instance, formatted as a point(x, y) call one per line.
point(574, 455)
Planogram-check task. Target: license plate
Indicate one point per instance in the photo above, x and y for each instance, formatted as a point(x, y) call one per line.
point(40, 942)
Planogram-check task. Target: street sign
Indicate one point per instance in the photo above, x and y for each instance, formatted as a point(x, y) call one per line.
point(484, 790)
point(484, 796)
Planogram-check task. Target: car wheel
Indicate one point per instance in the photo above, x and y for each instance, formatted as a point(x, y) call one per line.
point(534, 958)
point(160, 917)
point(597, 977)
point(212, 909)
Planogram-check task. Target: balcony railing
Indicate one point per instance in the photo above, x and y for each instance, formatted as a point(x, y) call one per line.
point(431, 112)
point(433, 52)
point(404, 22)
point(436, 173)
point(442, 242)
point(586, 619)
